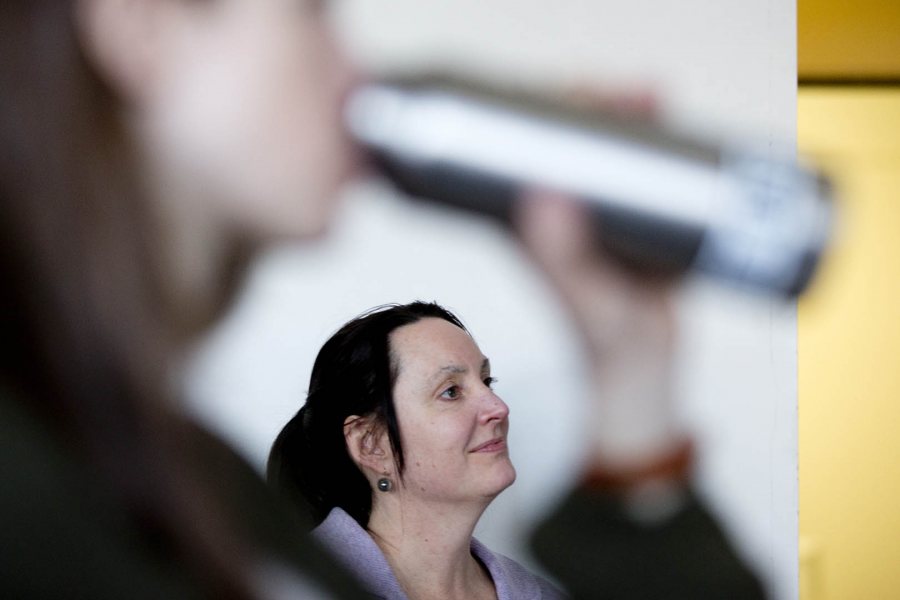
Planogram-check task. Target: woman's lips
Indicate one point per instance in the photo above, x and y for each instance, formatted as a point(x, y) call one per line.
point(494, 445)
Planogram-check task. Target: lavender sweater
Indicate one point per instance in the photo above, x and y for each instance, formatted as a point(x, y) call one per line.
point(357, 551)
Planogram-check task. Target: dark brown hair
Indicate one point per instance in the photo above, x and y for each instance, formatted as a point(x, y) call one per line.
point(354, 374)
point(85, 337)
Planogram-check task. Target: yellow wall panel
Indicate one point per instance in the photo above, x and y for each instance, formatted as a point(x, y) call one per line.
point(849, 362)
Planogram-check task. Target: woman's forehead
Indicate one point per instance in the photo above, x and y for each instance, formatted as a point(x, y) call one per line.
point(435, 344)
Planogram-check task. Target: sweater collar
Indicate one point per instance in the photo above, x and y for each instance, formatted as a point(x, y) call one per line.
point(356, 550)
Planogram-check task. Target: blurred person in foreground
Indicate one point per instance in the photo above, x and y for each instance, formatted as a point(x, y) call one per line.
point(149, 148)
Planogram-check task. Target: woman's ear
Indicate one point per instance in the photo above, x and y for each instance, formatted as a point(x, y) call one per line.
point(367, 444)
point(123, 39)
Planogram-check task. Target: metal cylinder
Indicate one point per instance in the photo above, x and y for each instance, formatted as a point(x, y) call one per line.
point(660, 202)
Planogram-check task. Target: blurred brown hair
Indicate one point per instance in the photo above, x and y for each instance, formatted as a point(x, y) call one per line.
point(85, 339)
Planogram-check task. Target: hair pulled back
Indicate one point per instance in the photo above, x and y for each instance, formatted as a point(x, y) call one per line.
point(354, 374)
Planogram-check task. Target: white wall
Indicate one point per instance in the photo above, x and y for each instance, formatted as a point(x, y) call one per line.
point(726, 65)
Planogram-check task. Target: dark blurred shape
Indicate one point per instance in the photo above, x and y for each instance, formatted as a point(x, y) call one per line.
point(594, 545)
point(663, 203)
point(108, 491)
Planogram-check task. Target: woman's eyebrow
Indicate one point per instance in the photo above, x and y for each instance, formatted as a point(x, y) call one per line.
point(452, 369)
point(460, 369)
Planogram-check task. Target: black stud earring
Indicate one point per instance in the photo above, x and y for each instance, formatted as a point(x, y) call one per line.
point(384, 484)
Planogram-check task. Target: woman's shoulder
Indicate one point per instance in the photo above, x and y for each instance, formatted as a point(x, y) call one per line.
point(354, 548)
point(337, 527)
point(348, 541)
point(511, 579)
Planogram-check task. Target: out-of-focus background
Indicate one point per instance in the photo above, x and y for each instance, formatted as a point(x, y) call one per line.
point(719, 67)
point(849, 326)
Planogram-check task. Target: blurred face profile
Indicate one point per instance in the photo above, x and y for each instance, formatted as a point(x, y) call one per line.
point(243, 108)
point(453, 425)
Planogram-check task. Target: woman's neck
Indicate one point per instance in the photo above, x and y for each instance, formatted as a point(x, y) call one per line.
point(429, 549)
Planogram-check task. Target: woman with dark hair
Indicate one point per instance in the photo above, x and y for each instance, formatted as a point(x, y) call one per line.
point(398, 450)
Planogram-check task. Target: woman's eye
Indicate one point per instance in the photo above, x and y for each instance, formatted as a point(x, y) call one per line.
point(451, 393)
point(490, 381)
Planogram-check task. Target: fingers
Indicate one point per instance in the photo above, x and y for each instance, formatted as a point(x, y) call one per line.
point(555, 232)
point(636, 103)
point(610, 305)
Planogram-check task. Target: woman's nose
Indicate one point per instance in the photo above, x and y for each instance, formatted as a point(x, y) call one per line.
point(495, 409)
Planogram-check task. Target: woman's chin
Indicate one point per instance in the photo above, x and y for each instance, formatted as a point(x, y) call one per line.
point(504, 479)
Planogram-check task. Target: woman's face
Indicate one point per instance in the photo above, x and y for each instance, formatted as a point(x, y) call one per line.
point(245, 107)
point(453, 426)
